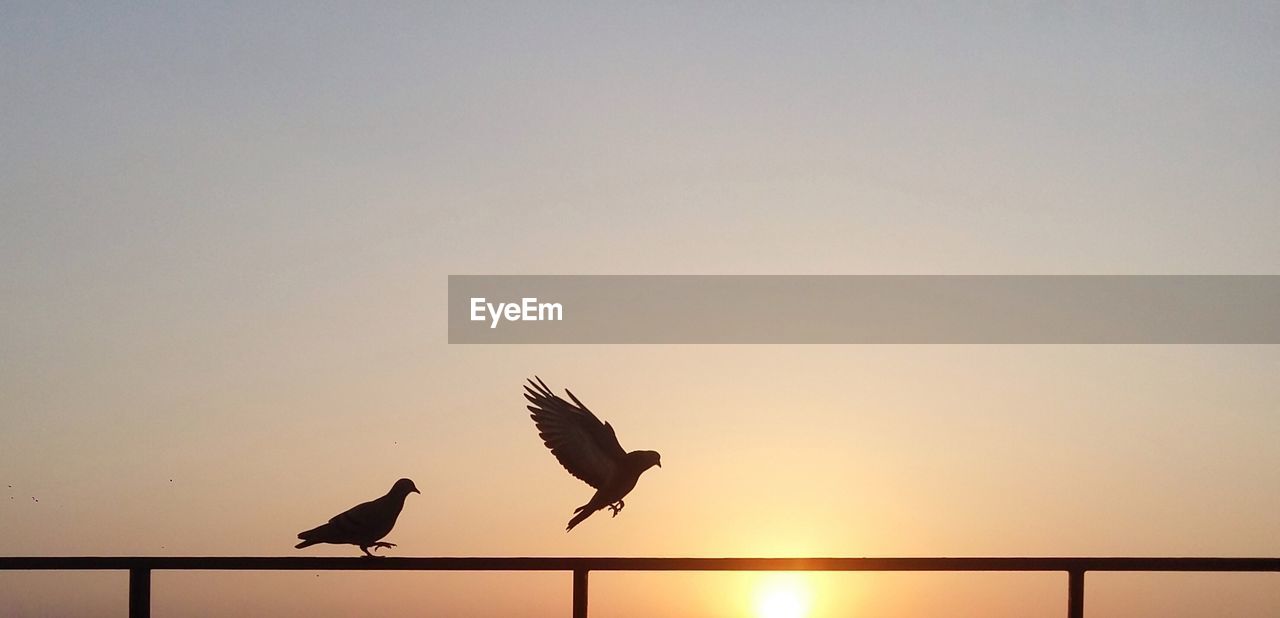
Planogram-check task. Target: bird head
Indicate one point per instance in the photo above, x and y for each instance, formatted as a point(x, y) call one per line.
point(404, 487)
point(651, 459)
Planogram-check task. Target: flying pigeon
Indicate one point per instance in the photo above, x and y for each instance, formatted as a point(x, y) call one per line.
point(587, 448)
point(362, 525)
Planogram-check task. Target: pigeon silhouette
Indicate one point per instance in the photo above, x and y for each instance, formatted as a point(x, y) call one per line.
point(587, 448)
point(364, 524)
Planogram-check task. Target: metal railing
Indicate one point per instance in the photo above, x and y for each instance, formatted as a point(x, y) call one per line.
point(140, 568)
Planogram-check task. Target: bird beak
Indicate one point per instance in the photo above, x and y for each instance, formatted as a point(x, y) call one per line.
point(415, 490)
point(659, 464)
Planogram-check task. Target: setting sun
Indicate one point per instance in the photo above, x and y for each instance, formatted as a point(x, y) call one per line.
point(783, 596)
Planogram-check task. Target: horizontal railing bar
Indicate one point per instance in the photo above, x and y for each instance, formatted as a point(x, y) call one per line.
point(320, 563)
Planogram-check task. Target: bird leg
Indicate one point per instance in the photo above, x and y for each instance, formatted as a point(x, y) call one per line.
point(616, 507)
point(382, 544)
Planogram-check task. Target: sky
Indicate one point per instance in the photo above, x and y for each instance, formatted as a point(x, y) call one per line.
point(226, 233)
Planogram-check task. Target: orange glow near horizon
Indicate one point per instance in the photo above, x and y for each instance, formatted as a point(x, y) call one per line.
point(782, 595)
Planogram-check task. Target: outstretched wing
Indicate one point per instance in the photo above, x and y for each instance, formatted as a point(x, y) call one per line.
point(587, 448)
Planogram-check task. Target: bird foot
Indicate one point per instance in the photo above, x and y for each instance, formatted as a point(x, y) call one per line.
point(616, 507)
point(375, 546)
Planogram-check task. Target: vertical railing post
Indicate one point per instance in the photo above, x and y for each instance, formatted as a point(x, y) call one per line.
point(580, 593)
point(139, 593)
point(1075, 594)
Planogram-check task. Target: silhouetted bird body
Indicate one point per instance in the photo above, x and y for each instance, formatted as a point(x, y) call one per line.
point(365, 524)
point(587, 448)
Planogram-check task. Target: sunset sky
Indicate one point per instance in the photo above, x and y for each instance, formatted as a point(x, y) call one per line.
point(226, 233)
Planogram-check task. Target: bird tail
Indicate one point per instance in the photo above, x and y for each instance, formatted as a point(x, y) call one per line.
point(580, 514)
point(312, 537)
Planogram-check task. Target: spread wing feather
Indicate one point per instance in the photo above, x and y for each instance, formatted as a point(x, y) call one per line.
point(586, 447)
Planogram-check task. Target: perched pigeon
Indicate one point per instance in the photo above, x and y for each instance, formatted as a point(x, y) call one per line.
point(362, 525)
point(587, 448)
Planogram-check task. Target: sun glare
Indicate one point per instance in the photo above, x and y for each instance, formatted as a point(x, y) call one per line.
point(783, 597)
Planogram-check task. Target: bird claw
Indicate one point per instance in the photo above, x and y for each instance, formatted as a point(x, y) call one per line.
point(616, 507)
point(375, 547)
